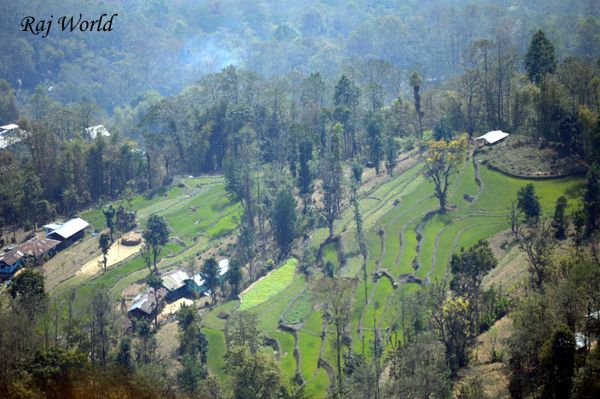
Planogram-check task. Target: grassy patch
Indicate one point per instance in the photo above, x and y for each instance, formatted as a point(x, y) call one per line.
point(317, 387)
point(310, 347)
point(286, 356)
point(216, 351)
point(270, 285)
point(298, 310)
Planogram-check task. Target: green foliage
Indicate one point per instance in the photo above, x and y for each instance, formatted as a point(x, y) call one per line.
point(210, 274)
point(558, 363)
point(591, 199)
point(28, 285)
point(559, 221)
point(528, 202)
point(283, 217)
point(156, 235)
point(587, 380)
point(540, 58)
point(253, 375)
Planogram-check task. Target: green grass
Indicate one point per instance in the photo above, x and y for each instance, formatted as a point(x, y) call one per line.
point(299, 309)
point(317, 387)
point(216, 351)
point(270, 285)
point(286, 346)
point(310, 347)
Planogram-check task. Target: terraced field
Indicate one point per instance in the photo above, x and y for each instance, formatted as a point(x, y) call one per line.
point(405, 236)
point(199, 214)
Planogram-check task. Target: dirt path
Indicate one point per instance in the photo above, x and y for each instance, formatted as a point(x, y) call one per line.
point(116, 253)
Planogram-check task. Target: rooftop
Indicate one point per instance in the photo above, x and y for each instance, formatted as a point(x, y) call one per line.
point(493, 136)
point(11, 257)
point(94, 131)
point(175, 280)
point(223, 266)
point(37, 246)
point(145, 301)
point(69, 228)
point(11, 126)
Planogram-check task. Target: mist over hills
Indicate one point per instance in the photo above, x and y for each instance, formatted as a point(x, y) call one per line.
point(166, 45)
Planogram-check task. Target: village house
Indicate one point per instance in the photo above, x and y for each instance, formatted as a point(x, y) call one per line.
point(144, 304)
point(39, 249)
point(490, 138)
point(196, 283)
point(93, 131)
point(9, 135)
point(67, 233)
point(175, 284)
point(11, 259)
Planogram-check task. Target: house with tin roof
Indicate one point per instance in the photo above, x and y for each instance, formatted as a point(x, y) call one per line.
point(11, 260)
point(67, 233)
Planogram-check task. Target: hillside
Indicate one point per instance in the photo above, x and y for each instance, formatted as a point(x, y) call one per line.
point(400, 208)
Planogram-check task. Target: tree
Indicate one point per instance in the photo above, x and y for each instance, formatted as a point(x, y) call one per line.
point(284, 218)
point(391, 153)
point(345, 99)
point(357, 171)
point(591, 199)
point(469, 268)
point(540, 58)
point(242, 330)
point(32, 195)
point(210, 275)
point(586, 384)
point(415, 83)
point(124, 358)
point(109, 216)
point(156, 235)
point(375, 142)
point(558, 362)
point(155, 282)
point(559, 222)
point(305, 175)
point(420, 371)
point(252, 374)
point(332, 175)
point(451, 323)
point(193, 349)
point(528, 203)
point(360, 236)
point(538, 243)
point(28, 285)
point(234, 277)
point(336, 296)
point(442, 160)
point(104, 242)
point(8, 106)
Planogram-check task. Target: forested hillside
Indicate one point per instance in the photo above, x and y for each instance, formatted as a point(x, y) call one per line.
point(164, 45)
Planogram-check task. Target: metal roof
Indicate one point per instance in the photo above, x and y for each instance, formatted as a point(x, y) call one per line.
point(223, 266)
point(37, 246)
point(94, 131)
point(145, 301)
point(70, 228)
point(493, 136)
point(11, 126)
point(11, 257)
point(175, 280)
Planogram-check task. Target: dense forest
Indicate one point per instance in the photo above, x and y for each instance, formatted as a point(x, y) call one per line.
point(302, 107)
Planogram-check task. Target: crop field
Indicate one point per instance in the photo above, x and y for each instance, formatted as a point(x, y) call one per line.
point(405, 235)
point(269, 286)
point(199, 214)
